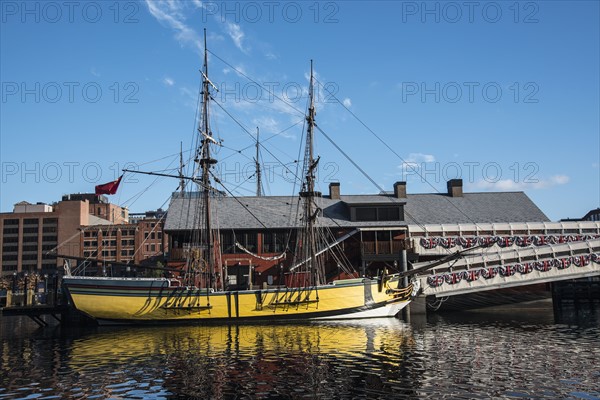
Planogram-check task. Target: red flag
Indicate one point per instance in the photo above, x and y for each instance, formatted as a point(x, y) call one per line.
point(109, 188)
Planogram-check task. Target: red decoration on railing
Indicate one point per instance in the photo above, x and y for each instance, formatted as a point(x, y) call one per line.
point(467, 242)
point(506, 271)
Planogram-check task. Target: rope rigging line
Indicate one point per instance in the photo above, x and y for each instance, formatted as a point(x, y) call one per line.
point(238, 200)
point(257, 83)
point(396, 154)
point(251, 135)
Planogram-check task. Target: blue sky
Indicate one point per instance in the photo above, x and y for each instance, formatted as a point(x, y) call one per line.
point(504, 95)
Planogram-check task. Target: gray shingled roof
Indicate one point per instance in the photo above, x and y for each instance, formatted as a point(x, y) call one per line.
point(472, 208)
point(272, 211)
point(280, 211)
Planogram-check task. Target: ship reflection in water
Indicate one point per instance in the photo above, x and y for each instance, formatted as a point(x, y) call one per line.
point(460, 357)
point(305, 360)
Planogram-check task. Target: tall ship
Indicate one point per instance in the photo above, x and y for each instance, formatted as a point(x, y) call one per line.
point(198, 292)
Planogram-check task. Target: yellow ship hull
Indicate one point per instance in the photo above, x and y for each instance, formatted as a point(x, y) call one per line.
point(139, 300)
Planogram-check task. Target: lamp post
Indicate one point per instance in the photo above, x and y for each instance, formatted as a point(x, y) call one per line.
point(25, 290)
point(45, 289)
point(281, 280)
point(35, 288)
point(14, 282)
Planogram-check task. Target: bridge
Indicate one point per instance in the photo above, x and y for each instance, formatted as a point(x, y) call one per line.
point(504, 255)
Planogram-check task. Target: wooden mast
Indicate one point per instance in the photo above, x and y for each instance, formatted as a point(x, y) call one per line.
point(309, 194)
point(181, 178)
point(257, 163)
point(206, 162)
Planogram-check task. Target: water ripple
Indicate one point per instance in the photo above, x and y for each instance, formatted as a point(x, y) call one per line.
point(466, 357)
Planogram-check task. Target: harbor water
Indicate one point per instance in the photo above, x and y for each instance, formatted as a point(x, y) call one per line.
point(508, 352)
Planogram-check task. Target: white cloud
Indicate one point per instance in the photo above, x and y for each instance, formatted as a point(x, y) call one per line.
point(511, 185)
point(236, 34)
point(240, 70)
point(267, 124)
point(94, 72)
point(347, 102)
point(413, 163)
point(190, 97)
point(418, 158)
point(171, 14)
point(559, 179)
point(168, 81)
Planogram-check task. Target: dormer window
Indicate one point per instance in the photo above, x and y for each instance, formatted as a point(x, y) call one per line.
point(377, 213)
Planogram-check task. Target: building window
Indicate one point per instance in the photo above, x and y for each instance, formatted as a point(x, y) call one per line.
point(227, 244)
point(246, 239)
point(378, 214)
point(388, 214)
point(274, 242)
point(366, 214)
point(153, 247)
point(50, 238)
point(11, 222)
point(30, 221)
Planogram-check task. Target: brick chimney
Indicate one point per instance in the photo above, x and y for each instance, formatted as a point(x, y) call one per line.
point(400, 190)
point(455, 188)
point(334, 190)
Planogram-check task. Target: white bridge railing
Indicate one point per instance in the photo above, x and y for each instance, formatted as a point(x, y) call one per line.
point(492, 268)
point(443, 239)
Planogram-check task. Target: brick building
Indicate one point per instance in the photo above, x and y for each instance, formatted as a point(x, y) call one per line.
point(135, 243)
point(32, 230)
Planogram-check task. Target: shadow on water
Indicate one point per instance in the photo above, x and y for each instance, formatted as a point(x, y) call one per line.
point(529, 313)
point(582, 314)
